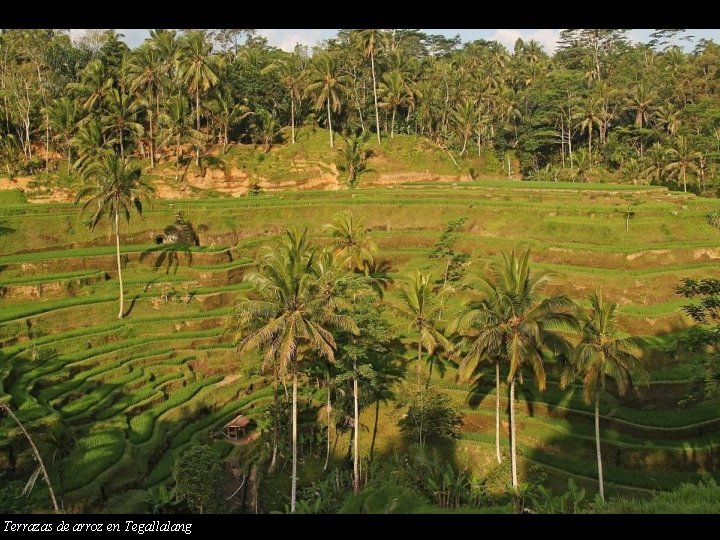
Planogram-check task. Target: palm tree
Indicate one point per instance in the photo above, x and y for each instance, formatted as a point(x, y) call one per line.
point(198, 69)
point(421, 308)
point(116, 187)
point(89, 141)
point(351, 241)
point(291, 73)
point(655, 161)
point(520, 325)
point(62, 117)
point(395, 93)
point(4, 407)
point(581, 160)
point(146, 76)
point(682, 158)
point(632, 172)
point(328, 86)
point(120, 115)
point(475, 323)
point(266, 128)
point(668, 116)
point(587, 116)
point(226, 111)
point(640, 101)
point(352, 157)
point(94, 85)
point(176, 129)
point(293, 317)
point(600, 355)
point(466, 116)
point(370, 41)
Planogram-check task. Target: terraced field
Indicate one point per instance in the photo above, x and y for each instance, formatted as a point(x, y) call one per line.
point(136, 392)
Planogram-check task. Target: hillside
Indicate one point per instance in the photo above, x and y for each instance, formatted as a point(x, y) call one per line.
point(308, 164)
point(136, 392)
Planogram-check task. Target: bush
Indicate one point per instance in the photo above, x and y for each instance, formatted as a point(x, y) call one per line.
point(430, 416)
point(383, 499)
point(198, 475)
point(701, 498)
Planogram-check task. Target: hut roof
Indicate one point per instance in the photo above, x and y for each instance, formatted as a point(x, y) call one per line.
point(239, 421)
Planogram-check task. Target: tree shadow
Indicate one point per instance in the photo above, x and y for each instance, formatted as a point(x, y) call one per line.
point(175, 240)
point(5, 229)
point(128, 311)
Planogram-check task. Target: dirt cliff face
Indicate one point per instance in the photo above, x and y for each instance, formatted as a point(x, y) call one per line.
point(236, 182)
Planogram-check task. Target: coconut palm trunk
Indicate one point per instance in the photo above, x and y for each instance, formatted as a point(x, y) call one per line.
point(276, 402)
point(356, 426)
point(597, 445)
point(152, 141)
point(119, 265)
point(38, 458)
point(293, 487)
point(377, 115)
point(292, 117)
point(417, 369)
point(497, 412)
point(177, 159)
point(513, 456)
point(47, 144)
point(329, 410)
point(332, 144)
point(197, 123)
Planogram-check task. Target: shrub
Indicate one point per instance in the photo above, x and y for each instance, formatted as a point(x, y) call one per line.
point(198, 476)
point(430, 416)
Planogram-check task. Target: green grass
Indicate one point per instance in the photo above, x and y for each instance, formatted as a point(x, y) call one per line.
point(547, 185)
point(99, 251)
point(45, 278)
point(11, 197)
point(134, 404)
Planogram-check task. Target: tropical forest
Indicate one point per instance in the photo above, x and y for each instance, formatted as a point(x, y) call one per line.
point(393, 272)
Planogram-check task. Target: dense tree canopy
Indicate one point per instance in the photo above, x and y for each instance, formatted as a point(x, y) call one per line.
point(648, 108)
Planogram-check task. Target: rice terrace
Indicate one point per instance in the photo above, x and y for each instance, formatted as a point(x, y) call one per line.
point(398, 272)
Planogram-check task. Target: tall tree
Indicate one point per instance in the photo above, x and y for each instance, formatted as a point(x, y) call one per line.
point(520, 324)
point(120, 117)
point(291, 71)
point(587, 117)
point(421, 307)
point(602, 354)
point(641, 103)
point(395, 94)
point(292, 318)
point(146, 76)
point(328, 86)
point(655, 162)
point(477, 323)
point(681, 159)
point(351, 241)
point(62, 117)
point(198, 69)
point(176, 129)
point(370, 41)
point(227, 112)
point(116, 187)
